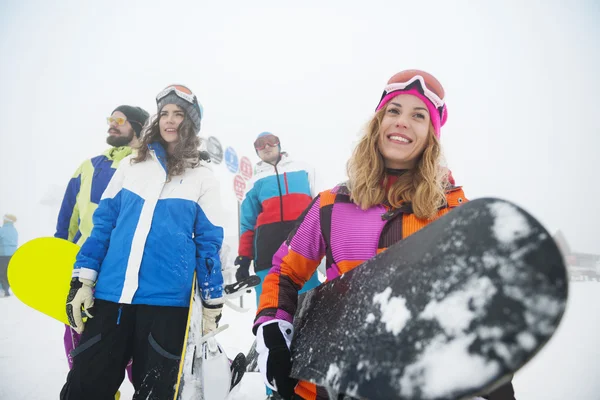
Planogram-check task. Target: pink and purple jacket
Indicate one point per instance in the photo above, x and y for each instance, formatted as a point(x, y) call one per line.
point(336, 228)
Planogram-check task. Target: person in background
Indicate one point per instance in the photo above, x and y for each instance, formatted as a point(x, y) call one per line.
point(89, 181)
point(9, 239)
point(278, 193)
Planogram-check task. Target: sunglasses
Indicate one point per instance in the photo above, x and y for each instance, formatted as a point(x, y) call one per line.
point(262, 142)
point(118, 120)
point(422, 81)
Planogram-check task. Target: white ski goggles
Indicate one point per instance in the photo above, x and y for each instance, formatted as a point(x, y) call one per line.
point(181, 91)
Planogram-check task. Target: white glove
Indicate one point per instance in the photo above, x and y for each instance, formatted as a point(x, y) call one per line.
point(210, 318)
point(80, 296)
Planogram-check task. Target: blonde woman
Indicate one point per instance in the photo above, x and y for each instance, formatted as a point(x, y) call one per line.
point(396, 186)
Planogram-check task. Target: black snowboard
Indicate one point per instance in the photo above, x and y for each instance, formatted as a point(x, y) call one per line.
point(252, 359)
point(446, 313)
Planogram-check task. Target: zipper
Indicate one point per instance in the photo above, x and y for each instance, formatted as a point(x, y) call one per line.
point(119, 315)
point(287, 189)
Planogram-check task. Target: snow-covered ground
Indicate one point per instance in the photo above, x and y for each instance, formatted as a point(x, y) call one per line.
point(33, 364)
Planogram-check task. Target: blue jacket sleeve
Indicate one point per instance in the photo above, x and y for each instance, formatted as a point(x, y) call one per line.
point(67, 224)
point(92, 253)
point(208, 236)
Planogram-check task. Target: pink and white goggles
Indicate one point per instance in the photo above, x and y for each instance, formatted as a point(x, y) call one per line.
point(430, 94)
point(424, 82)
point(423, 85)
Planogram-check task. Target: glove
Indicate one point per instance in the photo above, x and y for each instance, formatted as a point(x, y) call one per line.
point(273, 340)
point(210, 278)
point(80, 295)
point(243, 270)
point(211, 315)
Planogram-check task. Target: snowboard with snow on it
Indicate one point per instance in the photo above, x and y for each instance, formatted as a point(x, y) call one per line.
point(252, 357)
point(205, 372)
point(446, 313)
point(40, 274)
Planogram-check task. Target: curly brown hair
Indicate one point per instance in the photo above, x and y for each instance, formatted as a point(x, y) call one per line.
point(186, 153)
point(423, 186)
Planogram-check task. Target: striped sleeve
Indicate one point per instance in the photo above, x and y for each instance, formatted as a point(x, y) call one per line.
point(293, 265)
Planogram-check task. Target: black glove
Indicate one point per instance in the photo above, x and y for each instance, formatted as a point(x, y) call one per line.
point(243, 270)
point(279, 362)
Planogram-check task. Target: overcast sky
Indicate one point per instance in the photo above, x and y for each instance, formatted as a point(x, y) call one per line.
point(521, 80)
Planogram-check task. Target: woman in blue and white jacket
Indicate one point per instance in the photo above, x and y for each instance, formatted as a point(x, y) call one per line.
point(158, 222)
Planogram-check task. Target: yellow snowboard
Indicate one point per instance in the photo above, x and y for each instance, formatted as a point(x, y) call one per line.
point(39, 274)
point(185, 357)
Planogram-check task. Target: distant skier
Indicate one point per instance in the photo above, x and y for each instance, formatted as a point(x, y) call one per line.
point(9, 240)
point(279, 191)
point(395, 188)
point(158, 221)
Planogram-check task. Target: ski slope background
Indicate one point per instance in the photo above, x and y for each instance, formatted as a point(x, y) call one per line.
point(33, 363)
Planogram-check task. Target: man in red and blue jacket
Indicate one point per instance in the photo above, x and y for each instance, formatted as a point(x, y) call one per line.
point(279, 192)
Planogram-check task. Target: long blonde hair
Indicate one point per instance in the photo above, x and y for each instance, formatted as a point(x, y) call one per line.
point(423, 186)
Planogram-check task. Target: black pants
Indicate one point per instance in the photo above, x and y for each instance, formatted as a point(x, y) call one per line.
point(4, 273)
point(152, 335)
